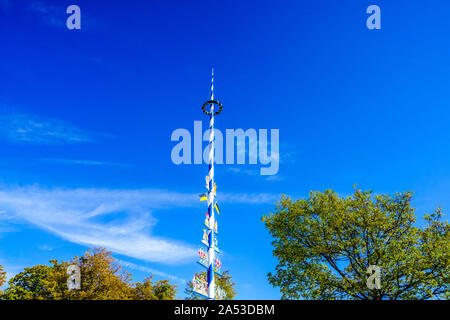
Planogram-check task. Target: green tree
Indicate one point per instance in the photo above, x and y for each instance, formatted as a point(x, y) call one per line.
point(2, 277)
point(224, 282)
point(147, 290)
point(102, 278)
point(325, 244)
point(56, 282)
point(163, 290)
point(28, 285)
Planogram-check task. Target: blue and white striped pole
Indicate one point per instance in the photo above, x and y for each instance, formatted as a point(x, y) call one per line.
point(209, 240)
point(211, 199)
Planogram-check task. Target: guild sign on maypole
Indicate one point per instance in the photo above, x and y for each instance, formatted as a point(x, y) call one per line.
point(209, 250)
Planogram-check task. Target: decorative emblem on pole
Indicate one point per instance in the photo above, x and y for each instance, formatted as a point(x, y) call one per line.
point(203, 257)
point(199, 285)
point(212, 102)
point(216, 244)
point(217, 266)
point(205, 237)
point(207, 182)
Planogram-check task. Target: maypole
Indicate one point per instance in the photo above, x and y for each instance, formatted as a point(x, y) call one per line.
point(207, 287)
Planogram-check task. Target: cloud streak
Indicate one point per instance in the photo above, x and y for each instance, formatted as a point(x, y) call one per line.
point(48, 13)
point(120, 220)
point(249, 198)
point(254, 173)
point(89, 217)
point(83, 162)
point(165, 275)
point(24, 128)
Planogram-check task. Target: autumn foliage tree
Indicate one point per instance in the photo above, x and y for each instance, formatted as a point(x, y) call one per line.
point(102, 278)
point(147, 290)
point(324, 245)
point(2, 277)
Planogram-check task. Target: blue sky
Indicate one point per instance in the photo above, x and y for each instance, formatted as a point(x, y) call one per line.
point(86, 118)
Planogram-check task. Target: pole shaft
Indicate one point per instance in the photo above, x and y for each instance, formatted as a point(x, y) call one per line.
point(211, 202)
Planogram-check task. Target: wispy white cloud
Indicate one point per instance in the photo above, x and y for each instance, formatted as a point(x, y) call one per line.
point(248, 172)
point(254, 173)
point(77, 215)
point(165, 275)
point(24, 128)
point(55, 15)
point(120, 220)
point(82, 162)
point(51, 15)
point(45, 247)
point(274, 178)
point(5, 223)
point(249, 198)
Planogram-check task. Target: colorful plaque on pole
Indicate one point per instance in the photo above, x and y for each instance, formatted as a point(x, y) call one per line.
point(200, 285)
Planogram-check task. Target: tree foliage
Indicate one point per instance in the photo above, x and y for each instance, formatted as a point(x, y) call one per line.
point(102, 278)
point(325, 244)
point(161, 290)
point(28, 284)
point(2, 277)
point(224, 282)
